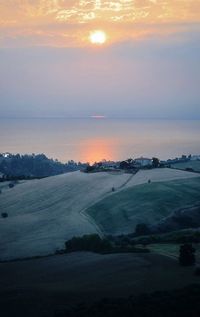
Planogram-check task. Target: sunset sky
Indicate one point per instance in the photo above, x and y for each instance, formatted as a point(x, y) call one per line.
point(148, 66)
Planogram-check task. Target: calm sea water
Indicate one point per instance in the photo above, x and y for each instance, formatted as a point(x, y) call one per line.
point(95, 139)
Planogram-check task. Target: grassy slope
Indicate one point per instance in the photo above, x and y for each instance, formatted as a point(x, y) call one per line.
point(172, 249)
point(159, 175)
point(43, 214)
point(144, 203)
point(191, 164)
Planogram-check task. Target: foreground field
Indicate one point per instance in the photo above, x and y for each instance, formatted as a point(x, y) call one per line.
point(43, 214)
point(39, 287)
point(147, 203)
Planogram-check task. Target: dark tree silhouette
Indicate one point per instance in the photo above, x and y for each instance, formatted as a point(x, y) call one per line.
point(155, 162)
point(4, 215)
point(35, 165)
point(187, 255)
point(142, 229)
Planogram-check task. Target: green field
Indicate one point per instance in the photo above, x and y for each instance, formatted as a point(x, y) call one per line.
point(172, 249)
point(147, 203)
point(195, 165)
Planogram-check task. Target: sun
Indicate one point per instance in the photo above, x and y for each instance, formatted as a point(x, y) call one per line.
point(98, 37)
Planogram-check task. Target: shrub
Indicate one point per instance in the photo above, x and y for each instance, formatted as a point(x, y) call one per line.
point(89, 169)
point(197, 271)
point(4, 215)
point(189, 169)
point(142, 229)
point(11, 185)
point(187, 255)
point(91, 242)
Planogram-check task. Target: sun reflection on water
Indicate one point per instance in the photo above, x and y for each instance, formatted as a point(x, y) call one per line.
point(95, 150)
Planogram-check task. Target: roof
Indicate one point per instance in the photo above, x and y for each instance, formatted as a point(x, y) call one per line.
point(143, 159)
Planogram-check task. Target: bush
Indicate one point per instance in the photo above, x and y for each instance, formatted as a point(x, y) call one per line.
point(189, 169)
point(142, 229)
point(90, 169)
point(197, 271)
point(11, 185)
point(4, 215)
point(187, 255)
point(91, 242)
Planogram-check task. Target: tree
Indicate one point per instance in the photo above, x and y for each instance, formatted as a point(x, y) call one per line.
point(155, 162)
point(90, 242)
point(142, 229)
point(89, 169)
point(4, 215)
point(126, 164)
point(187, 255)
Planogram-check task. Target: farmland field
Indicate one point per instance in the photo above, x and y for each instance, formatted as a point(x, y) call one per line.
point(43, 214)
point(195, 165)
point(147, 203)
point(41, 286)
point(172, 250)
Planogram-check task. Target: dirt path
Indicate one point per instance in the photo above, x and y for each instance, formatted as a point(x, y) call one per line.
point(84, 214)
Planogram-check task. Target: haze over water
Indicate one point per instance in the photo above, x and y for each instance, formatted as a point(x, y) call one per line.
point(90, 140)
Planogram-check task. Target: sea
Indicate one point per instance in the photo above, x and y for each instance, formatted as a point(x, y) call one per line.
point(95, 139)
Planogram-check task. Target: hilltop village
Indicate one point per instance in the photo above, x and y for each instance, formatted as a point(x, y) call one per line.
point(133, 165)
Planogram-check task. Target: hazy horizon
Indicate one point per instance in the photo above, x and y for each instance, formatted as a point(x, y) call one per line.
point(90, 140)
point(147, 66)
point(102, 117)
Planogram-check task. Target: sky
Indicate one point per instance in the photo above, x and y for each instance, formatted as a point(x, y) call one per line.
point(148, 66)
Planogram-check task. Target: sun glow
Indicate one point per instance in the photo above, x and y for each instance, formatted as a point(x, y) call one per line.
point(97, 37)
point(96, 149)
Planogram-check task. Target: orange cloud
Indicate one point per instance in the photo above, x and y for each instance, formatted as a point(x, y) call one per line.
point(67, 22)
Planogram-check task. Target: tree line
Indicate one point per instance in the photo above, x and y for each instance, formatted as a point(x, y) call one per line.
point(27, 166)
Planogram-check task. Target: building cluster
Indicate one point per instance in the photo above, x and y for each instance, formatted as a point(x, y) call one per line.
point(141, 162)
point(126, 164)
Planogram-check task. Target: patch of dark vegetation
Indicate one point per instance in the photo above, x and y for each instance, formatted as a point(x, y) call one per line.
point(180, 219)
point(197, 271)
point(180, 236)
point(176, 303)
point(142, 229)
point(11, 185)
point(94, 243)
point(15, 179)
point(187, 255)
point(34, 166)
point(190, 236)
point(4, 215)
point(91, 242)
point(189, 169)
point(184, 218)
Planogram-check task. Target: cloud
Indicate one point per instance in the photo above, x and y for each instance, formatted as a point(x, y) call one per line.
point(68, 22)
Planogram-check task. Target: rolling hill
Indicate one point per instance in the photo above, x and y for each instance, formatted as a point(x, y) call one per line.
point(43, 214)
point(147, 203)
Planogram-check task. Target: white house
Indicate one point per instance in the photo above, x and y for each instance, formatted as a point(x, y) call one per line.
point(6, 155)
point(195, 158)
point(143, 161)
